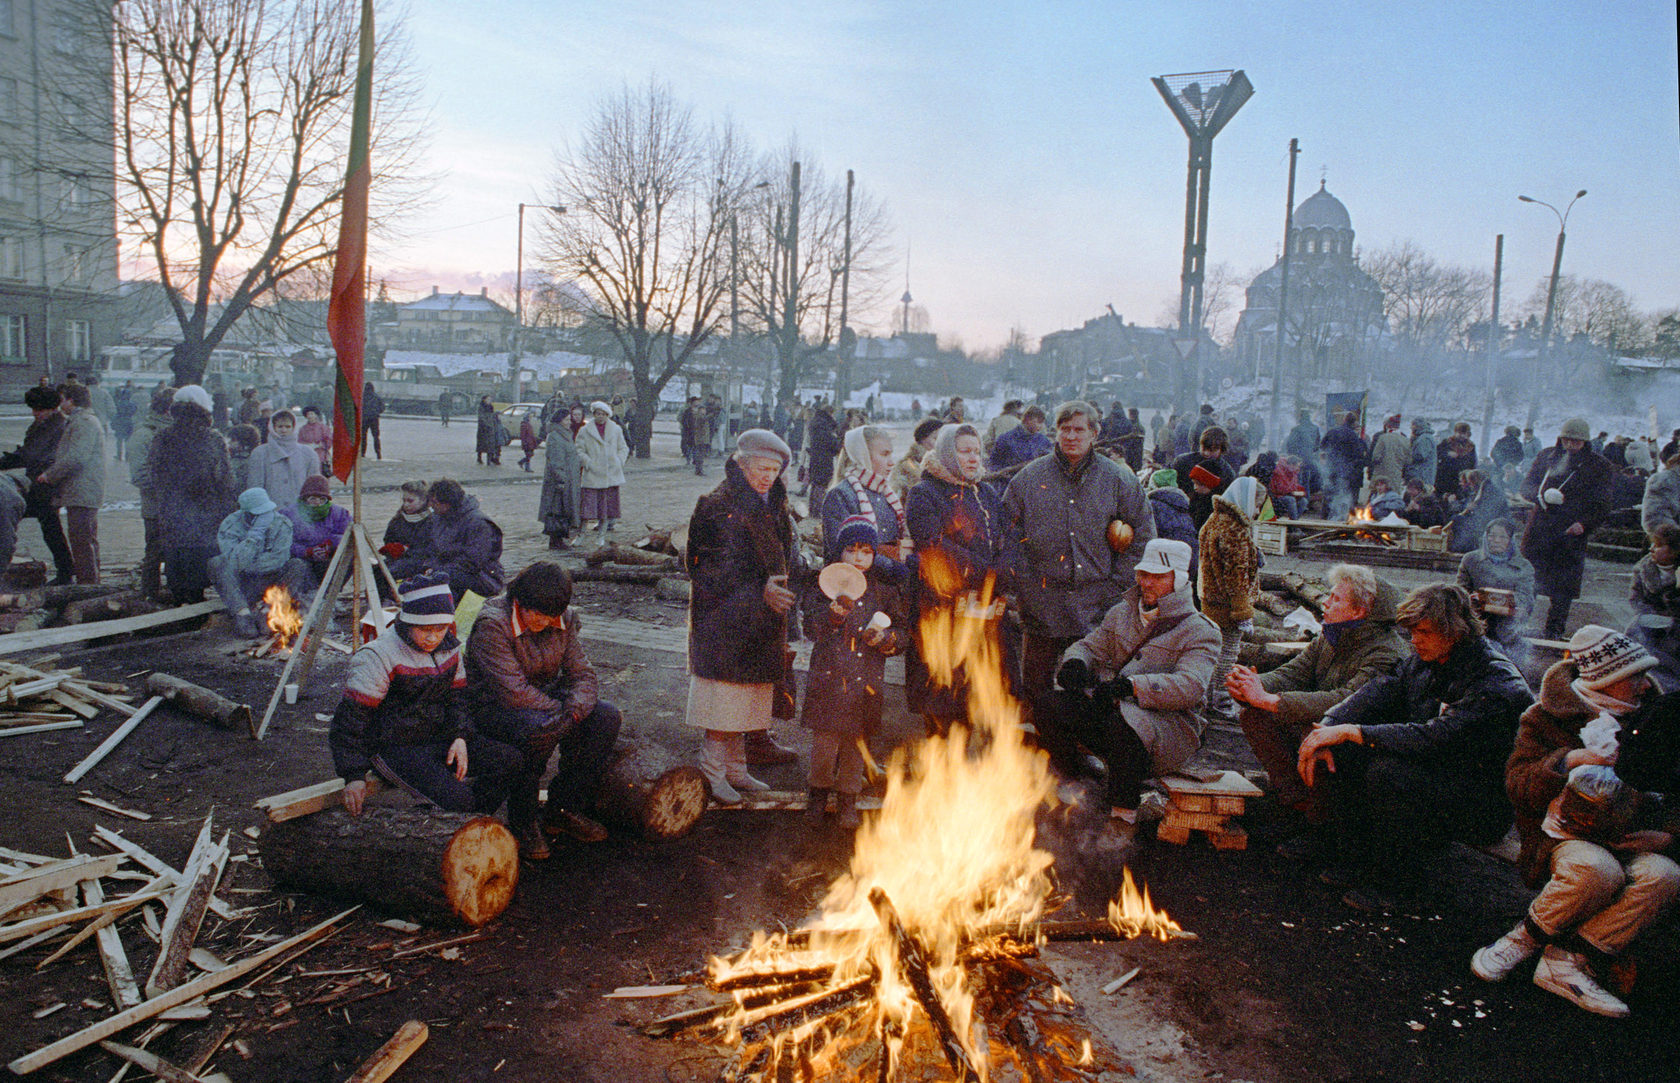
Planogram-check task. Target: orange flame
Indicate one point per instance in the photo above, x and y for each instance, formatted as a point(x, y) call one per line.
point(1361, 515)
point(953, 846)
point(284, 620)
point(1132, 914)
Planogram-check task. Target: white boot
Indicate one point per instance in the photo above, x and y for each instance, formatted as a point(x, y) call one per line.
point(714, 766)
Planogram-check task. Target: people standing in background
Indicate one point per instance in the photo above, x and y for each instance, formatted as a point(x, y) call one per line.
point(1004, 422)
point(527, 442)
point(34, 456)
point(316, 435)
point(1391, 452)
point(102, 402)
point(1304, 438)
point(489, 446)
point(242, 440)
point(1023, 443)
point(908, 470)
point(1455, 455)
point(560, 509)
point(122, 422)
point(691, 425)
point(1344, 464)
point(446, 401)
point(602, 452)
point(1203, 474)
point(1425, 454)
point(189, 469)
point(824, 436)
point(77, 477)
point(140, 474)
point(1569, 485)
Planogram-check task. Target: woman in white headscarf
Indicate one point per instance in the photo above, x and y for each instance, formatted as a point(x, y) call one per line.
point(602, 448)
point(866, 464)
point(1228, 575)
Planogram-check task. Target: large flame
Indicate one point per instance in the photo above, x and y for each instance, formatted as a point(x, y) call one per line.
point(1361, 515)
point(952, 848)
point(284, 620)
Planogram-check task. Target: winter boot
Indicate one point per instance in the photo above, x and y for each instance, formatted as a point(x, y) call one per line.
point(816, 805)
point(763, 751)
point(713, 766)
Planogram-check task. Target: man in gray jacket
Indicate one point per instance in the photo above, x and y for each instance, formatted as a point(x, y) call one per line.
point(1130, 691)
point(77, 475)
point(255, 546)
point(1068, 572)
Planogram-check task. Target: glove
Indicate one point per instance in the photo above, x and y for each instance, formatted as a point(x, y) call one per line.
point(1246, 627)
point(392, 549)
point(1119, 688)
point(1075, 675)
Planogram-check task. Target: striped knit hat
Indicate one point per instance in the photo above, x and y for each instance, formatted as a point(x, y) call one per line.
point(1604, 657)
point(426, 599)
point(857, 530)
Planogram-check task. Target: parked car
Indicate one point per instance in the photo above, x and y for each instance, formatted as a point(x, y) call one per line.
point(519, 411)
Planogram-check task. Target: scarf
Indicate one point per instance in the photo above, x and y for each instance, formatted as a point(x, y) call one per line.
point(1333, 631)
point(1609, 705)
point(863, 481)
point(286, 440)
point(418, 516)
point(316, 514)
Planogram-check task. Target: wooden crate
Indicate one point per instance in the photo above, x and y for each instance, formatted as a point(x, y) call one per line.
point(1422, 541)
point(1272, 538)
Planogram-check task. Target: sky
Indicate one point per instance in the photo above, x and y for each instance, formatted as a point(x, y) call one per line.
point(1030, 169)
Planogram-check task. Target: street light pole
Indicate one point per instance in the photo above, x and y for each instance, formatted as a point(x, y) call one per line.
point(1551, 296)
point(519, 288)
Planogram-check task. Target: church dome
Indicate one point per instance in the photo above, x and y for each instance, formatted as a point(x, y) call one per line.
point(1321, 210)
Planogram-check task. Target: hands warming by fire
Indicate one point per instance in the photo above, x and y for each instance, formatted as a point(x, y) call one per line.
point(1243, 683)
point(1315, 749)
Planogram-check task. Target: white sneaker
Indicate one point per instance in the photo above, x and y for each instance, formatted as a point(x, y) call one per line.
point(1566, 974)
point(1499, 958)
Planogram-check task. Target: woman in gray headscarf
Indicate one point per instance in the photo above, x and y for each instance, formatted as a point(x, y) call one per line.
point(559, 511)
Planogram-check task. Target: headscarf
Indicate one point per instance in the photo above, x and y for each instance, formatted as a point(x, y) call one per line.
point(864, 480)
point(1244, 494)
point(942, 460)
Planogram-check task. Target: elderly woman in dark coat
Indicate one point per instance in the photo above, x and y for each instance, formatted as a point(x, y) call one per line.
point(741, 559)
point(957, 526)
point(188, 464)
point(491, 436)
point(562, 492)
point(1569, 485)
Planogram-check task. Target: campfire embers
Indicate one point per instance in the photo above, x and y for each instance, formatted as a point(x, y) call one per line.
point(284, 622)
point(925, 951)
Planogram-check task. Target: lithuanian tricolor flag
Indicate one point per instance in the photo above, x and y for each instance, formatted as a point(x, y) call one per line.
point(347, 311)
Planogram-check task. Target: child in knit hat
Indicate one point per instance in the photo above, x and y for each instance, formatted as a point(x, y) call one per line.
point(854, 638)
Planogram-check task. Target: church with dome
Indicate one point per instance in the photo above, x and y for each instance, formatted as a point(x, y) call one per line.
point(1335, 309)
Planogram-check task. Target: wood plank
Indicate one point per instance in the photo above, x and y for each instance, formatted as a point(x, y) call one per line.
point(117, 809)
point(185, 915)
point(179, 995)
point(44, 727)
point(18, 642)
point(1229, 784)
point(69, 702)
point(150, 1062)
point(1196, 821)
point(34, 883)
point(101, 923)
point(303, 801)
point(119, 975)
point(31, 926)
point(390, 1056)
point(116, 738)
point(153, 864)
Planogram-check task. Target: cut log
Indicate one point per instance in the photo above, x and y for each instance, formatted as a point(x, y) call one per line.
point(199, 701)
point(60, 596)
point(179, 995)
point(113, 740)
point(417, 863)
point(672, 589)
point(648, 789)
point(390, 1056)
point(645, 577)
point(626, 554)
point(129, 603)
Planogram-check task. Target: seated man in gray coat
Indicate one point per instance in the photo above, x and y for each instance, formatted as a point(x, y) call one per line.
point(1131, 690)
point(255, 553)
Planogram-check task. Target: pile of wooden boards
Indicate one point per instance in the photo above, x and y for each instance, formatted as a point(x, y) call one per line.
point(44, 898)
point(1209, 807)
point(39, 697)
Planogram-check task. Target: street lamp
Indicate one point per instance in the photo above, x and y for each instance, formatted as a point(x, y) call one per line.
point(519, 283)
point(1551, 289)
point(1204, 102)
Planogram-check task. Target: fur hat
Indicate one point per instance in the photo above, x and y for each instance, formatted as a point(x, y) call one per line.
point(1603, 656)
point(763, 443)
point(426, 599)
point(1164, 555)
point(857, 530)
point(196, 395)
point(1575, 429)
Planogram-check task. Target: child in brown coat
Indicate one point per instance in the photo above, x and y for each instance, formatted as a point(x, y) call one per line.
point(843, 693)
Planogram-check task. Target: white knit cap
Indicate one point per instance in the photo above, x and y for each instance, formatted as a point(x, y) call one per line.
point(1603, 656)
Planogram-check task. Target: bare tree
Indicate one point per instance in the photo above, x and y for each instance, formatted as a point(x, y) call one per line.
point(792, 260)
point(1600, 311)
point(648, 196)
point(1430, 306)
point(232, 123)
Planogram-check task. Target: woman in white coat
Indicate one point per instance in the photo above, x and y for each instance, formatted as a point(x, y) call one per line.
point(602, 449)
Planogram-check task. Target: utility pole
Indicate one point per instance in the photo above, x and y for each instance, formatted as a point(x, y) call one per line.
point(1493, 341)
point(1275, 430)
point(790, 290)
point(848, 341)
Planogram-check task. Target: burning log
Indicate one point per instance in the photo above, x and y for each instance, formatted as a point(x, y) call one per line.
point(806, 1010)
point(648, 789)
point(913, 965)
point(450, 867)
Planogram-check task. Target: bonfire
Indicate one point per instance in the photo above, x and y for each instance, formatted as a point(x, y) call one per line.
point(925, 950)
point(284, 622)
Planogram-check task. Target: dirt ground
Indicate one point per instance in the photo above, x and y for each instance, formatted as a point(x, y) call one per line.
point(1284, 982)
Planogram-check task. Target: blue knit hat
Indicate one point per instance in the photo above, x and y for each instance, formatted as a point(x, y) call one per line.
point(426, 599)
point(857, 530)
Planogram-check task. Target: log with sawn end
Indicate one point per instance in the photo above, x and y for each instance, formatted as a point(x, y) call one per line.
point(199, 701)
